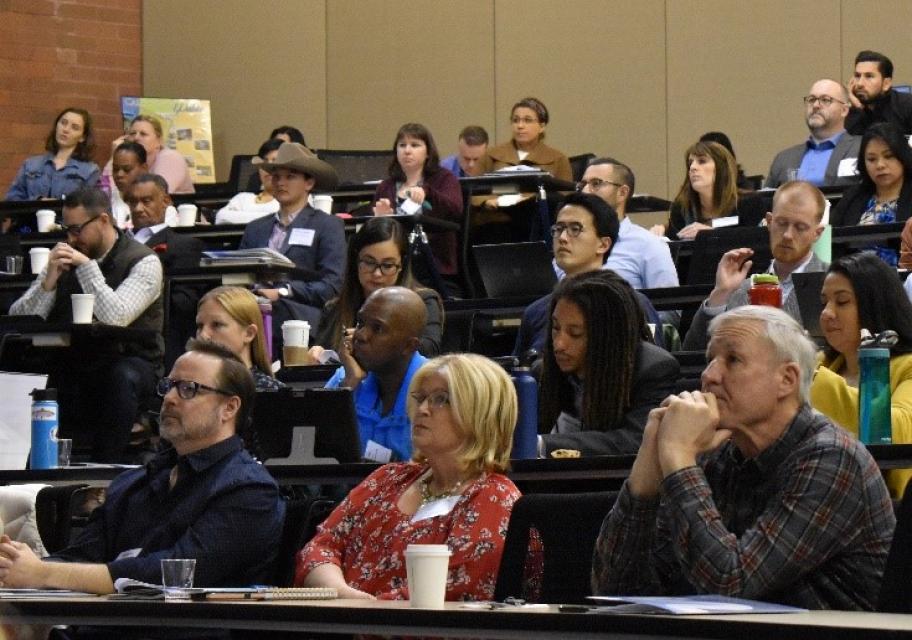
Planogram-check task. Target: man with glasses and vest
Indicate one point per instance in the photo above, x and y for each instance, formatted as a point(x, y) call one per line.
point(104, 387)
point(203, 497)
point(829, 155)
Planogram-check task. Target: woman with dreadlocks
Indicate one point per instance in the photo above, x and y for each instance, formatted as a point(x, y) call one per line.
point(601, 372)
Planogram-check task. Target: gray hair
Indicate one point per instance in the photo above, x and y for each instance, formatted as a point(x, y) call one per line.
point(789, 340)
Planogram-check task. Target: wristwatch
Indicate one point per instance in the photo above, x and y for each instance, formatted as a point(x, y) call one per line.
point(284, 291)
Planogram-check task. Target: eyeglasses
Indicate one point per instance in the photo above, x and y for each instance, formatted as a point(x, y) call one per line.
point(435, 400)
point(366, 265)
point(524, 120)
point(595, 184)
point(824, 101)
point(186, 389)
point(573, 229)
point(76, 229)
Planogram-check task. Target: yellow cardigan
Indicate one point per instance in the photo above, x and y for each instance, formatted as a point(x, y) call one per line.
point(833, 397)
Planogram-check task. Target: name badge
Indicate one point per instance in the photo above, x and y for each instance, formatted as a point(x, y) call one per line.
point(302, 237)
point(377, 452)
point(727, 221)
point(435, 508)
point(847, 168)
point(129, 553)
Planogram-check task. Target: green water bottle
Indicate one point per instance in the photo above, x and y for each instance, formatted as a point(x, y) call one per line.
point(874, 424)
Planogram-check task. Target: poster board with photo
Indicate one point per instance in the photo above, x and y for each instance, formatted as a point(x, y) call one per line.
point(186, 128)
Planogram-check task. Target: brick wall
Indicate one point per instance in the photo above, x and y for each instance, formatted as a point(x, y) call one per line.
point(60, 53)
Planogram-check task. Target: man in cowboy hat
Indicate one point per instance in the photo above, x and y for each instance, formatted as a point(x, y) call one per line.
point(312, 239)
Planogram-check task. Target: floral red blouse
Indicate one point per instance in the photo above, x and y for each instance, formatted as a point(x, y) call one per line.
point(366, 535)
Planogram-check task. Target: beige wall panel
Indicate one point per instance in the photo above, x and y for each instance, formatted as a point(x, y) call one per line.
point(600, 69)
point(396, 61)
point(261, 64)
point(882, 26)
point(742, 68)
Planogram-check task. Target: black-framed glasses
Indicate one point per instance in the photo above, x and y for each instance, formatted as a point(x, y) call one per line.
point(76, 229)
point(434, 400)
point(595, 184)
point(368, 265)
point(823, 101)
point(186, 389)
point(573, 229)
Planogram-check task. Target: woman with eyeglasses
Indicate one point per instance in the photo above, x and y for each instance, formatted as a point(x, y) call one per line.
point(67, 165)
point(417, 184)
point(885, 192)
point(453, 492)
point(377, 257)
point(231, 316)
point(601, 372)
point(709, 192)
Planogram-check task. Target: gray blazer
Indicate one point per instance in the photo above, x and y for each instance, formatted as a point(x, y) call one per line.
point(790, 158)
point(697, 336)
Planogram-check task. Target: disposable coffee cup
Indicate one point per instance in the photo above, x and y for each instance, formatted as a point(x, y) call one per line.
point(38, 258)
point(177, 578)
point(14, 264)
point(295, 333)
point(46, 219)
point(83, 305)
point(426, 567)
point(186, 215)
point(323, 203)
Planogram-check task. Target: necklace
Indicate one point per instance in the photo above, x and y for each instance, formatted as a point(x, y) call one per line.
point(424, 486)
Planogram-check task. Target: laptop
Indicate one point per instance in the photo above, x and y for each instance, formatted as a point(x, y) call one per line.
point(517, 269)
point(807, 293)
point(710, 246)
point(329, 412)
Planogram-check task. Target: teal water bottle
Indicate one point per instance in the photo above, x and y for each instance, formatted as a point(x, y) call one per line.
point(874, 423)
point(45, 413)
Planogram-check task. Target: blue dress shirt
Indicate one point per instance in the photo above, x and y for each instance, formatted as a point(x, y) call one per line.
point(816, 158)
point(39, 178)
point(393, 430)
point(224, 510)
point(451, 164)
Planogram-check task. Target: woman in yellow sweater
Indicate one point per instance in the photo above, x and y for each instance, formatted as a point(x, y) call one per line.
point(862, 292)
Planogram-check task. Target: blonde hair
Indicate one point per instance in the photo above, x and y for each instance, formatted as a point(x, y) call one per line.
point(483, 402)
point(242, 306)
point(152, 120)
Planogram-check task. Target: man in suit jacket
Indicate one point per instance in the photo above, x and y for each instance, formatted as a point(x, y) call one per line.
point(313, 240)
point(794, 226)
point(828, 156)
point(148, 199)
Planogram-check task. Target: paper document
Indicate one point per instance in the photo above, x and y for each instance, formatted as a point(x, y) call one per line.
point(16, 417)
point(687, 605)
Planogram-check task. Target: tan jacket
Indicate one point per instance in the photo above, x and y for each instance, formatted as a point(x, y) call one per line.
point(542, 156)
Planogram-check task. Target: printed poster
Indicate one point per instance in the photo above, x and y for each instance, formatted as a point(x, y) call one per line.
point(186, 128)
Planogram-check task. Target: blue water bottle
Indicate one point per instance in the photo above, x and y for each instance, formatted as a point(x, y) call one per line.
point(874, 423)
point(525, 435)
point(44, 429)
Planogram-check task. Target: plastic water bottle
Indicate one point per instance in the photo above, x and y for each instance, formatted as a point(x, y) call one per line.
point(874, 423)
point(45, 414)
point(525, 435)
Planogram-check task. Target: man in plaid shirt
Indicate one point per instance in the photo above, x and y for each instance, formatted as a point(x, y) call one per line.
point(743, 490)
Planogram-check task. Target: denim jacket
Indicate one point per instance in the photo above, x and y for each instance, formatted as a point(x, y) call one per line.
point(39, 178)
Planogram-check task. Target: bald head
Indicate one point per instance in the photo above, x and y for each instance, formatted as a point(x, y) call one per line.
point(799, 193)
point(390, 324)
point(825, 121)
point(404, 308)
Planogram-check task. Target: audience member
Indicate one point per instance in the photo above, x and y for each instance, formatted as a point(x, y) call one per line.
point(148, 199)
point(862, 292)
point(287, 133)
point(743, 490)
point(828, 157)
point(249, 205)
point(601, 373)
point(905, 247)
point(162, 161)
point(708, 193)
point(873, 97)
point(379, 358)
point(885, 192)
point(202, 498)
point(127, 163)
point(417, 184)
point(528, 117)
point(794, 226)
point(471, 149)
point(585, 232)
point(67, 165)
point(377, 257)
point(722, 138)
point(231, 316)
point(463, 408)
point(314, 240)
point(101, 391)
point(637, 256)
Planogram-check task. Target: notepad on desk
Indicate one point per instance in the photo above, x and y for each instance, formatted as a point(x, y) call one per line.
point(266, 593)
point(687, 605)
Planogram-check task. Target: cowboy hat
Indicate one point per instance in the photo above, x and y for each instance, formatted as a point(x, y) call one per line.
point(297, 157)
